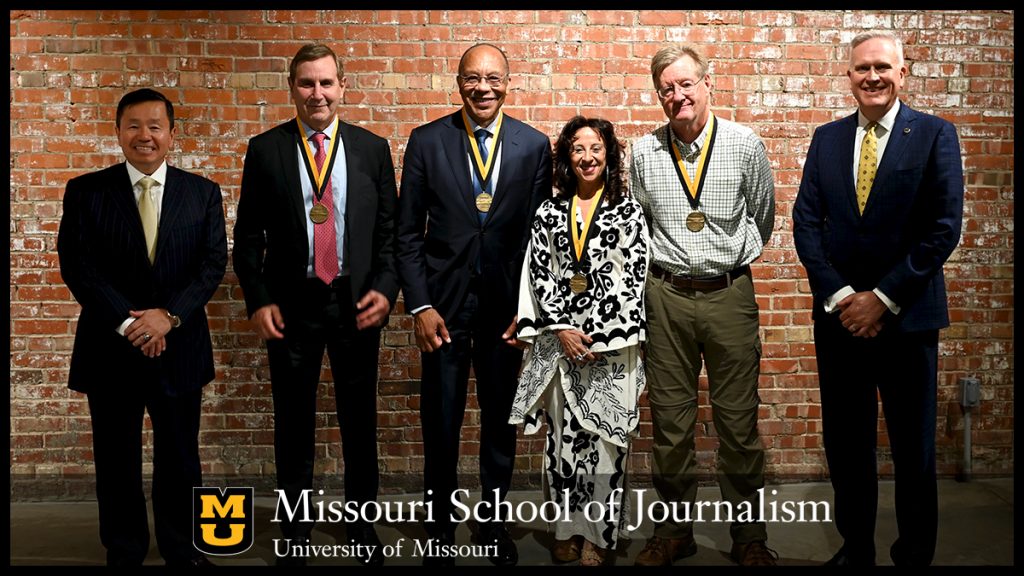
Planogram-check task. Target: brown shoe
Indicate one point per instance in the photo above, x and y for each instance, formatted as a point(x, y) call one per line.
point(567, 550)
point(664, 551)
point(592, 555)
point(754, 553)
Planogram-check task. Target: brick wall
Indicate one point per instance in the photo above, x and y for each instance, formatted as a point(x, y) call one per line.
point(782, 73)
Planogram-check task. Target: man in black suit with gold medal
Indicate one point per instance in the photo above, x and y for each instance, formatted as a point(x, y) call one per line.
point(314, 250)
point(477, 176)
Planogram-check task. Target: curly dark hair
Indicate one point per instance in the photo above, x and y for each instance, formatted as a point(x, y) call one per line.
point(615, 188)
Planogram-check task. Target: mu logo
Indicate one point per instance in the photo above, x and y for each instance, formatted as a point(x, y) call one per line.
point(222, 520)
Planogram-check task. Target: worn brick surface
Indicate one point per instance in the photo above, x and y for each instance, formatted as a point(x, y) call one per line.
point(779, 72)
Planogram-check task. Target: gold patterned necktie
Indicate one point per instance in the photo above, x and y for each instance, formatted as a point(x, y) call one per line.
point(867, 166)
point(147, 211)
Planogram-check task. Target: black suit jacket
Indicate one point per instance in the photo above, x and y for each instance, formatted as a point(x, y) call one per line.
point(440, 237)
point(271, 250)
point(103, 261)
point(910, 225)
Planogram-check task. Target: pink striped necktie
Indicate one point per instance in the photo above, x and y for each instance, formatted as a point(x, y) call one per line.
point(325, 247)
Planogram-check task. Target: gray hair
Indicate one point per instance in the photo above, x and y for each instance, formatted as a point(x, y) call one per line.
point(883, 34)
point(668, 56)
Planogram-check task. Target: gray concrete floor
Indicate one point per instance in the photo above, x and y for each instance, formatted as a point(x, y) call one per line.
point(975, 528)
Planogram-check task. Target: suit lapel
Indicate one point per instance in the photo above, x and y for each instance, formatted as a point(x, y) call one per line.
point(170, 208)
point(509, 161)
point(353, 191)
point(894, 149)
point(124, 198)
point(847, 135)
point(456, 149)
point(287, 148)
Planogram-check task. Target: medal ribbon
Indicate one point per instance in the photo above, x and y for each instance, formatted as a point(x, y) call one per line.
point(579, 239)
point(483, 171)
point(318, 178)
point(693, 192)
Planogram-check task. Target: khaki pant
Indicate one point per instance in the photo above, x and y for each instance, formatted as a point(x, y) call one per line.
point(685, 329)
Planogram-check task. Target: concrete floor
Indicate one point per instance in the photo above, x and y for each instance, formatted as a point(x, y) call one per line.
point(975, 528)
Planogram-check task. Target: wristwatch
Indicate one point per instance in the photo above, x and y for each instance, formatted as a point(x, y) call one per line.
point(175, 321)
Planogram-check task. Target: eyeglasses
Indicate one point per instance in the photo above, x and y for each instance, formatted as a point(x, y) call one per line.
point(686, 87)
point(473, 80)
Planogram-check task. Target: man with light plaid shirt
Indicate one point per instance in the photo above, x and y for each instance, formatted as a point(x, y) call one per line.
point(706, 188)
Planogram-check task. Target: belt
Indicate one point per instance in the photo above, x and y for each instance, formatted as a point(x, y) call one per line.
point(338, 282)
point(708, 284)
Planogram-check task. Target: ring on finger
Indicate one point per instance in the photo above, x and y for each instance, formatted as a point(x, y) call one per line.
point(146, 337)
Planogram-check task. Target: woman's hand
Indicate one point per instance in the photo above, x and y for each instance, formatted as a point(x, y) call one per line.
point(575, 345)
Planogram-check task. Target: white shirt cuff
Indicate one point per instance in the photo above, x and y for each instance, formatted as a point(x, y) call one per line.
point(420, 309)
point(885, 300)
point(832, 301)
point(124, 326)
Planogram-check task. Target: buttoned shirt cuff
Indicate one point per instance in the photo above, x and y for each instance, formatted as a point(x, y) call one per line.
point(885, 300)
point(833, 300)
point(124, 326)
point(420, 309)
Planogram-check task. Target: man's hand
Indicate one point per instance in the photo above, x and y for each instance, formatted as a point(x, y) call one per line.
point(373, 310)
point(268, 322)
point(154, 347)
point(149, 325)
point(431, 332)
point(510, 335)
point(861, 314)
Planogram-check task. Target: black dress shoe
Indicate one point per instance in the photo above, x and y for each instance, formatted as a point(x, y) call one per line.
point(503, 548)
point(196, 562)
point(289, 559)
point(841, 558)
point(365, 535)
point(441, 561)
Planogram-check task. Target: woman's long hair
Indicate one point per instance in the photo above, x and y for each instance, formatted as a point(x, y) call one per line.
point(565, 177)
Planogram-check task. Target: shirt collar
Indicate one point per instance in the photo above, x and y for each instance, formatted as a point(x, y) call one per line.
point(160, 174)
point(886, 121)
point(473, 126)
point(694, 148)
point(328, 131)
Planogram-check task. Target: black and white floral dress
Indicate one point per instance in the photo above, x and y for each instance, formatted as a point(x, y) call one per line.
point(593, 409)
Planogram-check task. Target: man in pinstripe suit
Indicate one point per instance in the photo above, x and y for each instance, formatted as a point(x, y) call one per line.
point(142, 247)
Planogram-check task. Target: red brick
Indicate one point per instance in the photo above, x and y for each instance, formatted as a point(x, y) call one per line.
point(596, 63)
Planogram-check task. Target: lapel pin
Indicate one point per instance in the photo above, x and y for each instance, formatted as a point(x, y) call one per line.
point(906, 130)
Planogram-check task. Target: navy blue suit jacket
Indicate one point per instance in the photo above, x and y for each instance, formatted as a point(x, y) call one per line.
point(103, 261)
point(910, 225)
point(440, 236)
point(271, 250)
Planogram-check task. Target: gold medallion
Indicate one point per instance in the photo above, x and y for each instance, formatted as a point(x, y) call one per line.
point(483, 201)
point(695, 221)
point(578, 284)
point(318, 214)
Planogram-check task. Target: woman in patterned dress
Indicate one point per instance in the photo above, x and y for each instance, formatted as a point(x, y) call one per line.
point(581, 309)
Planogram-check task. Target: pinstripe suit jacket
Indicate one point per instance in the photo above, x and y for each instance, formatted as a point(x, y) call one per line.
point(103, 261)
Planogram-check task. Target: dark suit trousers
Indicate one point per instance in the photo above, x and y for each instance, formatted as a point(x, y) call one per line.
point(903, 368)
point(475, 337)
point(324, 317)
point(117, 415)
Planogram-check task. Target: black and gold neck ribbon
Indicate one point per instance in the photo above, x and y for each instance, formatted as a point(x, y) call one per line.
point(580, 240)
point(483, 171)
point(693, 191)
point(318, 178)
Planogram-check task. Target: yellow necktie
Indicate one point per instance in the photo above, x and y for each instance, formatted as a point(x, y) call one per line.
point(867, 166)
point(147, 211)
